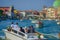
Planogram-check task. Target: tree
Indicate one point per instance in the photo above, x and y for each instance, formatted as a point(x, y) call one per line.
point(56, 3)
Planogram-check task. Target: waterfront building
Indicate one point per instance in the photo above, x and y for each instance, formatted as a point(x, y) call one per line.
point(52, 12)
point(58, 12)
point(43, 12)
point(40, 14)
point(7, 10)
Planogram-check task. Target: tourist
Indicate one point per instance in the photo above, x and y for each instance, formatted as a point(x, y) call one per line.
point(40, 24)
point(31, 29)
point(16, 27)
point(12, 25)
point(26, 30)
point(21, 29)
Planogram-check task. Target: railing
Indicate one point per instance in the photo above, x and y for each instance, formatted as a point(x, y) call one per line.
point(15, 34)
point(27, 35)
point(19, 33)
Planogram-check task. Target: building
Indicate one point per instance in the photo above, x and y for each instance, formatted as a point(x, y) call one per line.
point(52, 12)
point(43, 13)
point(58, 12)
point(7, 10)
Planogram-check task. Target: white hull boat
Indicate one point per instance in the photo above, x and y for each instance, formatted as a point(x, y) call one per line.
point(19, 36)
point(10, 35)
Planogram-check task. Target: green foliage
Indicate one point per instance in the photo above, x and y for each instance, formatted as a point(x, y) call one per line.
point(56, 3)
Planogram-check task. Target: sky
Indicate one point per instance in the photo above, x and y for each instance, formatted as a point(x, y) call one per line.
point(27, 4)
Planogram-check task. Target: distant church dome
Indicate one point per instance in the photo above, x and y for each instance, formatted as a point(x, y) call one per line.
point(56, 3)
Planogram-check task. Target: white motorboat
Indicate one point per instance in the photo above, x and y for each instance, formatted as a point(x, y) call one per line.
point(10, 35)
point(15, 35)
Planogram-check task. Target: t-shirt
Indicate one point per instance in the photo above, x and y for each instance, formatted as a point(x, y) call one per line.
point(12, 25)
point(16, 27)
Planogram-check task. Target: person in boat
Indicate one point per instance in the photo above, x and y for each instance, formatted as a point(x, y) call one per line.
point(10, 27)
point(16, 27)
point(31, 29)
point(21, 29)
point(41, 24)
point(26, 30)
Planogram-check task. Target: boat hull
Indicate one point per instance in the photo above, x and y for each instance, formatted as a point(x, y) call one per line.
point(13, 36)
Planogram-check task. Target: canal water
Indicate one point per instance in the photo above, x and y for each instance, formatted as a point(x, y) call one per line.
point(49, 26)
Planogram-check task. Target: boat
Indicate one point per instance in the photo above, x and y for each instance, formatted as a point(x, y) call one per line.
point(10, 35)
point(38, 24)
point(18, 35)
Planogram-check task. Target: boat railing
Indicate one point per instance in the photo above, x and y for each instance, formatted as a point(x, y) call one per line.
point(18, 33)
point(26, 35)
